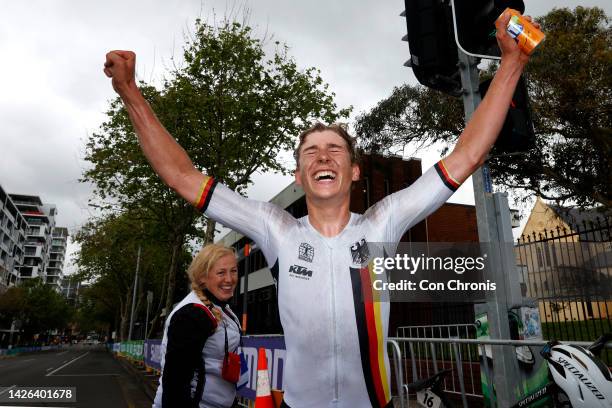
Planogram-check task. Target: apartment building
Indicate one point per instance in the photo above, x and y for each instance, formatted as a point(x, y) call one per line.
point(12, 239)
point(71, 288)
point(40, 219)
point(57, 254)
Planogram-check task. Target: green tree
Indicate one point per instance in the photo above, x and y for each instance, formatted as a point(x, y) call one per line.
point(96, 309)
point(108, 256)
point(12, 305)
point(570, 86)
point(36, 306)
point(230, 106)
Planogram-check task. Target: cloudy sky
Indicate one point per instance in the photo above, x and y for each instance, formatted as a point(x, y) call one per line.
point(54, 92)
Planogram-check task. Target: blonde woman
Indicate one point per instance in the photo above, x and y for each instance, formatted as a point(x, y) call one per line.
point(200, 334)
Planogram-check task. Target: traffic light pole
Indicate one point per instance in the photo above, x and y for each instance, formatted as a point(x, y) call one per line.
point(494, 228)
point(245, 301)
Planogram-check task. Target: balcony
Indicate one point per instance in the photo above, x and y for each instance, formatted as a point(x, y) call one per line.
point(33, 257)
point(52, 280)
point(26, 271)
point(55, 267)
point(27, 202)
point(57, 274)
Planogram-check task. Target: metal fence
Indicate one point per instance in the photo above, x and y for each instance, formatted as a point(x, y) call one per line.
point(415, 358)
point(424, 359)
point(568, 271)
point(457, 388)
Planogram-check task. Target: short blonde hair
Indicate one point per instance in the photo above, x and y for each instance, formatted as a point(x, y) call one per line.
point(338, 129)
point(201, 265)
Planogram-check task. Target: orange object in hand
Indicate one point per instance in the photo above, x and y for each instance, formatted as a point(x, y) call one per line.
point(526, 34)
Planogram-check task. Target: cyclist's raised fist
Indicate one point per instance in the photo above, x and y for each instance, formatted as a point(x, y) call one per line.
point(120, 66)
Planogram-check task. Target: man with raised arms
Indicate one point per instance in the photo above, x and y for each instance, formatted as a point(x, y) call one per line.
point(334, 335)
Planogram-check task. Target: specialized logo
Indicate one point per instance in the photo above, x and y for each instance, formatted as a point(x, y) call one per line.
point(583, 379)
point(360, 252)
point(300, 272)
point(306, 252)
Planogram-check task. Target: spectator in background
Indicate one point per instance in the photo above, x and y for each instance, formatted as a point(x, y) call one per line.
point(201, 335)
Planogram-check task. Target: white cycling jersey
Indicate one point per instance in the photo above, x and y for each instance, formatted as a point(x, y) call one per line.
point(334, 335)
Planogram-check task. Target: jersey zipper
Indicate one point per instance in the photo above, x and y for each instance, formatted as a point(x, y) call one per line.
point(334, 324)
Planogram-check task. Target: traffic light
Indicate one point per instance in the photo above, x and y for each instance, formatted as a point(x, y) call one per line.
point(517, 134)
point(475, 24)
point(433, 53)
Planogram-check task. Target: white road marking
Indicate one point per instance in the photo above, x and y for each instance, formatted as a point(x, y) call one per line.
point(8, 388)
point(63, 352)
point(86, 375)
point(48, 369)
point(67, 364)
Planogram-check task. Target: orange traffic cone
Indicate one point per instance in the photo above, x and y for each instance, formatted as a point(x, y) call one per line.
point(263, 397)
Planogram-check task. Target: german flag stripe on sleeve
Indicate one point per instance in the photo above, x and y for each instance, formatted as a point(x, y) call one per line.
point(446, 177)
point(371, 339)
point(206, 189)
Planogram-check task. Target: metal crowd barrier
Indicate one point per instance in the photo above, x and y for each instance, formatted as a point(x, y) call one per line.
point(455, 344)
point(30, 349)
point(397, 368)
point(429, 358)
point(415, 358)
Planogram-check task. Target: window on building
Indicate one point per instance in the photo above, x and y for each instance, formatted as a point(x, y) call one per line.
point(547, 254)
point(539, 256)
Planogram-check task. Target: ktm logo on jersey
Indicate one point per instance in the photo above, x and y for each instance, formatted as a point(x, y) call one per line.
point(300, 272)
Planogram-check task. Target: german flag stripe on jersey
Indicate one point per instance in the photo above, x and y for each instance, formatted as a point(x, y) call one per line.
point(371, 338)
point(206, 189)
point(446, 177)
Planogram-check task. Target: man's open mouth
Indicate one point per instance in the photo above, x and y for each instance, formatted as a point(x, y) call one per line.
point(325, 175)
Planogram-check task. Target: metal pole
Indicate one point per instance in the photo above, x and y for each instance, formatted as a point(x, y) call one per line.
point(459, 361)
point(11, 333)
point(149, 301)
point(134, 294)
point(491, 229)
point(399, 375)
point(245, 301)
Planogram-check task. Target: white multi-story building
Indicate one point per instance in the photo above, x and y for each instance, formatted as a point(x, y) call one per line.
point(41, 222)
point(12, 239)
point(71, 288)
point(57, 254)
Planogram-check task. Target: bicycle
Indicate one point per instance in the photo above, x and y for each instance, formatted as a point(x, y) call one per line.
point(429, 391)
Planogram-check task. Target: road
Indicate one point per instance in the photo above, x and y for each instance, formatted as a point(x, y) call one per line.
point(98, 378)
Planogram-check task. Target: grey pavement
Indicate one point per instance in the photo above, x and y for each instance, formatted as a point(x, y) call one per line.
point(99, 379)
